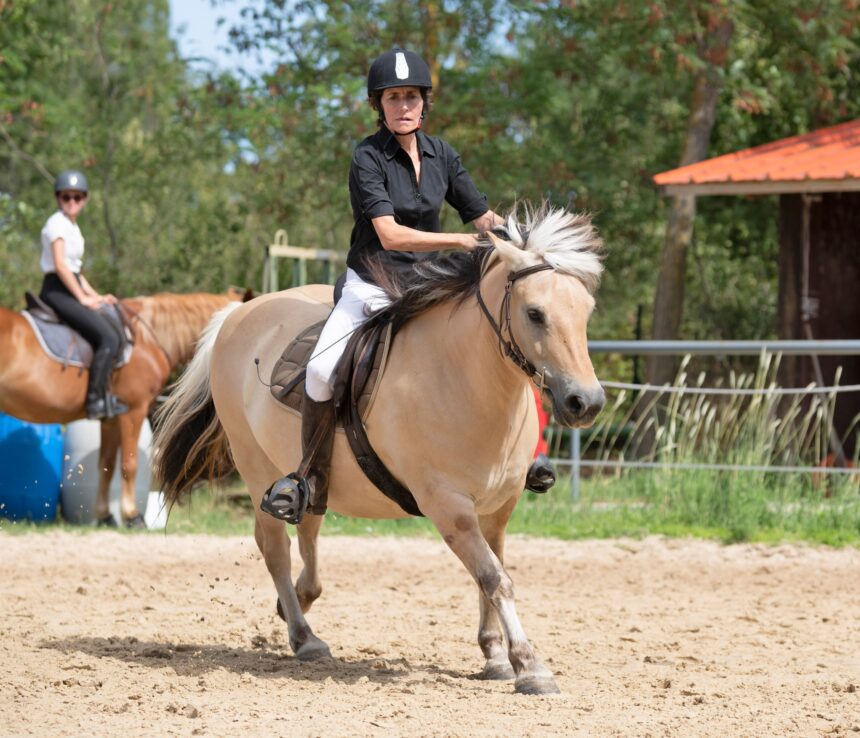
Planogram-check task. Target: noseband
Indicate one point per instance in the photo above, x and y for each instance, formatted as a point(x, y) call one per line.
point(508, 346)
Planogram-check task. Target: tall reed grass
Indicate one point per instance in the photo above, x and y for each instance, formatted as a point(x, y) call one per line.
point(764, 430)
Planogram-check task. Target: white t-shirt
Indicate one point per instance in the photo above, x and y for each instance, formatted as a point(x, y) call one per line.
point(59, 226)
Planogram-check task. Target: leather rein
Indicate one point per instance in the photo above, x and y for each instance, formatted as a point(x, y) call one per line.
point(508, 346)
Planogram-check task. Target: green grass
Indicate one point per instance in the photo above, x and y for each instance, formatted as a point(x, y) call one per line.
point(764, 430)
point(719, 506)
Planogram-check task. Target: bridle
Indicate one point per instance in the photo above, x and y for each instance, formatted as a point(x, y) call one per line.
point(508, 346)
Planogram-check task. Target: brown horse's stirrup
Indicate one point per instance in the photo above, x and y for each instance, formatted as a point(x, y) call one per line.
point(307, 489)
point(105, 407)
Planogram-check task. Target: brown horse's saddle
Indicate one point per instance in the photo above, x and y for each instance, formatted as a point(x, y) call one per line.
point(63, 344)
point(356, 380)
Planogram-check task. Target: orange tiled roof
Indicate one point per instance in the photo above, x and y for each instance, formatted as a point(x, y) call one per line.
point(825, 159)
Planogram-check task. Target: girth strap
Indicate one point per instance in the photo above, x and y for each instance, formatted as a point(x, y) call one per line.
point(360, 353)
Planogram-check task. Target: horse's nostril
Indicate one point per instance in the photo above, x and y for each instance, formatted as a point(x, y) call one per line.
point(575, 404)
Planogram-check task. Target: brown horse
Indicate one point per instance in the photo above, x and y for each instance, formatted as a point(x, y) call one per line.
point(454, 418)
point(38, 389)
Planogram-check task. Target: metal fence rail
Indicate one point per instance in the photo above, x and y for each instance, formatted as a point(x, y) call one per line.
point(709, 348)
point(720, 348)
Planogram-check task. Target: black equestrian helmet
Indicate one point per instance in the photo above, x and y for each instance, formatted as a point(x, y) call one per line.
point(398, 68)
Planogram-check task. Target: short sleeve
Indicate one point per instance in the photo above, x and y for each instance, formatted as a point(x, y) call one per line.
point(462, 194)
point(367, 184)
point(54, 228)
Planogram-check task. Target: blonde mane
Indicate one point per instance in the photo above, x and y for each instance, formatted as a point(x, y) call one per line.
point(177, 320)
point(567, 241)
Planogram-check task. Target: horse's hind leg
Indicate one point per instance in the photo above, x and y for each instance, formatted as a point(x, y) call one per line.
point(454, 516)
point(273, 542)
point(308, 586)
point(490, 638)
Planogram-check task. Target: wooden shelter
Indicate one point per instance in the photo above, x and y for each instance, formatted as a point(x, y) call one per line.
point(817, 178)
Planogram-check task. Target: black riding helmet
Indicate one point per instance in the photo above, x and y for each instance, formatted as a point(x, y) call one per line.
point(398, 68)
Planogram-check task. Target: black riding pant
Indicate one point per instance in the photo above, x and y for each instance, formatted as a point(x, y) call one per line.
point(93, 326)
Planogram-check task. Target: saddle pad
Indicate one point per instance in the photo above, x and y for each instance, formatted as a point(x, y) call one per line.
point(288, 374)
point(63, 344)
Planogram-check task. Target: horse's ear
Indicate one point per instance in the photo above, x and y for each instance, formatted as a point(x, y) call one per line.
point(248, 296)
point(513, 257)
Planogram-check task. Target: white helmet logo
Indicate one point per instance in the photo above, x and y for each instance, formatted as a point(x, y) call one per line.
point(73, 180)
point(401, 68)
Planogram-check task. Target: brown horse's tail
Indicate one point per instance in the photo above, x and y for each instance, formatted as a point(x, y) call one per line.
point(189, 441)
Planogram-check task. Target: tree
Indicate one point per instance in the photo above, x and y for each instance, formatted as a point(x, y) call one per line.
point(712, 44)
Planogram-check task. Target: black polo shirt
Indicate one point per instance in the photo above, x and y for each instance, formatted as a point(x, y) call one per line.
point(382, 182)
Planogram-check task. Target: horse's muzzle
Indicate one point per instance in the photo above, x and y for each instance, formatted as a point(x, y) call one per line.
point(576, 406)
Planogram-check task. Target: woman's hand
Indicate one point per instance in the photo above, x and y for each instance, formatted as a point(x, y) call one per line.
point(93, 302)
point(109, 299)
point(469, 242)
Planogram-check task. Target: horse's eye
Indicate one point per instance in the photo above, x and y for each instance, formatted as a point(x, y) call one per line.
point(536, 316)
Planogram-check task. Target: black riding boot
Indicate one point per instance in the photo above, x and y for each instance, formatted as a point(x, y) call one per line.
point(307, 489)
point(101, 403)
point(541, 474)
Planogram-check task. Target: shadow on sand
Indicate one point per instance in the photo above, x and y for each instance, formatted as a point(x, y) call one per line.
point(264, 660)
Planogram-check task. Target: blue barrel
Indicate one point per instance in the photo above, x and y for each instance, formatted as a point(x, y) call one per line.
point(31, 460)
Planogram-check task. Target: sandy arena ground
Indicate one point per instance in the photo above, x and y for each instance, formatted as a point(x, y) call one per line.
point(153, 635)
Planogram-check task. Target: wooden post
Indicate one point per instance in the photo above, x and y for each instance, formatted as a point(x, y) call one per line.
point(299, 256)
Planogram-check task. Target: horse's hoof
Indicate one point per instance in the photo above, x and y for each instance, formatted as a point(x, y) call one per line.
point(497, 671)
point(136, 523)
point(108, 521)
point(536, 685)
point(313, 651)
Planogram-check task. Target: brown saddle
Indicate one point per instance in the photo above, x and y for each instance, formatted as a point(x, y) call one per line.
point(356, 380)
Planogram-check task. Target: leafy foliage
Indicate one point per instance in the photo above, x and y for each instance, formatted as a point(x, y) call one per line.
point(577, 102)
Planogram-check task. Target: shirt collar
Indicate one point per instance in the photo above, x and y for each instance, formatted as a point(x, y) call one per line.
point(391, 146)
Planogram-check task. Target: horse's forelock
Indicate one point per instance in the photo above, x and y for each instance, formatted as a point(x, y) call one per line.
point(567, 241)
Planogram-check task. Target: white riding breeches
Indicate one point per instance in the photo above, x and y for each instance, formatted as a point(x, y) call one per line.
point(359, 300)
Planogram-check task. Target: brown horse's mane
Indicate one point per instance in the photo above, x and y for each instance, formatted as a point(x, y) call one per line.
point(176, 320)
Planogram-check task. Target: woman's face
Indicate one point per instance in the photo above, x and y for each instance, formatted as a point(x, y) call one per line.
point(71, 202)
point(402, 108)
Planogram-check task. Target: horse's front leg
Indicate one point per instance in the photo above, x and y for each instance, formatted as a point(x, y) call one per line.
point(107, 463)
point(308, 586)
point(454, 515)
point(129, 432)
point(490, 639)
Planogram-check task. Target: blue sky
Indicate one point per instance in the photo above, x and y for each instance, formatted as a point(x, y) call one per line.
point(194, 24)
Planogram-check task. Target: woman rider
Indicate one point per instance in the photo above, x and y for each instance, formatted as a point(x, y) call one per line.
point(398, 181)
point(72, 297)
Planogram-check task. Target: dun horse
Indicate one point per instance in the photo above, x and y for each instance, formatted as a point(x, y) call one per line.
point(38, 389)
point(454, 418)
